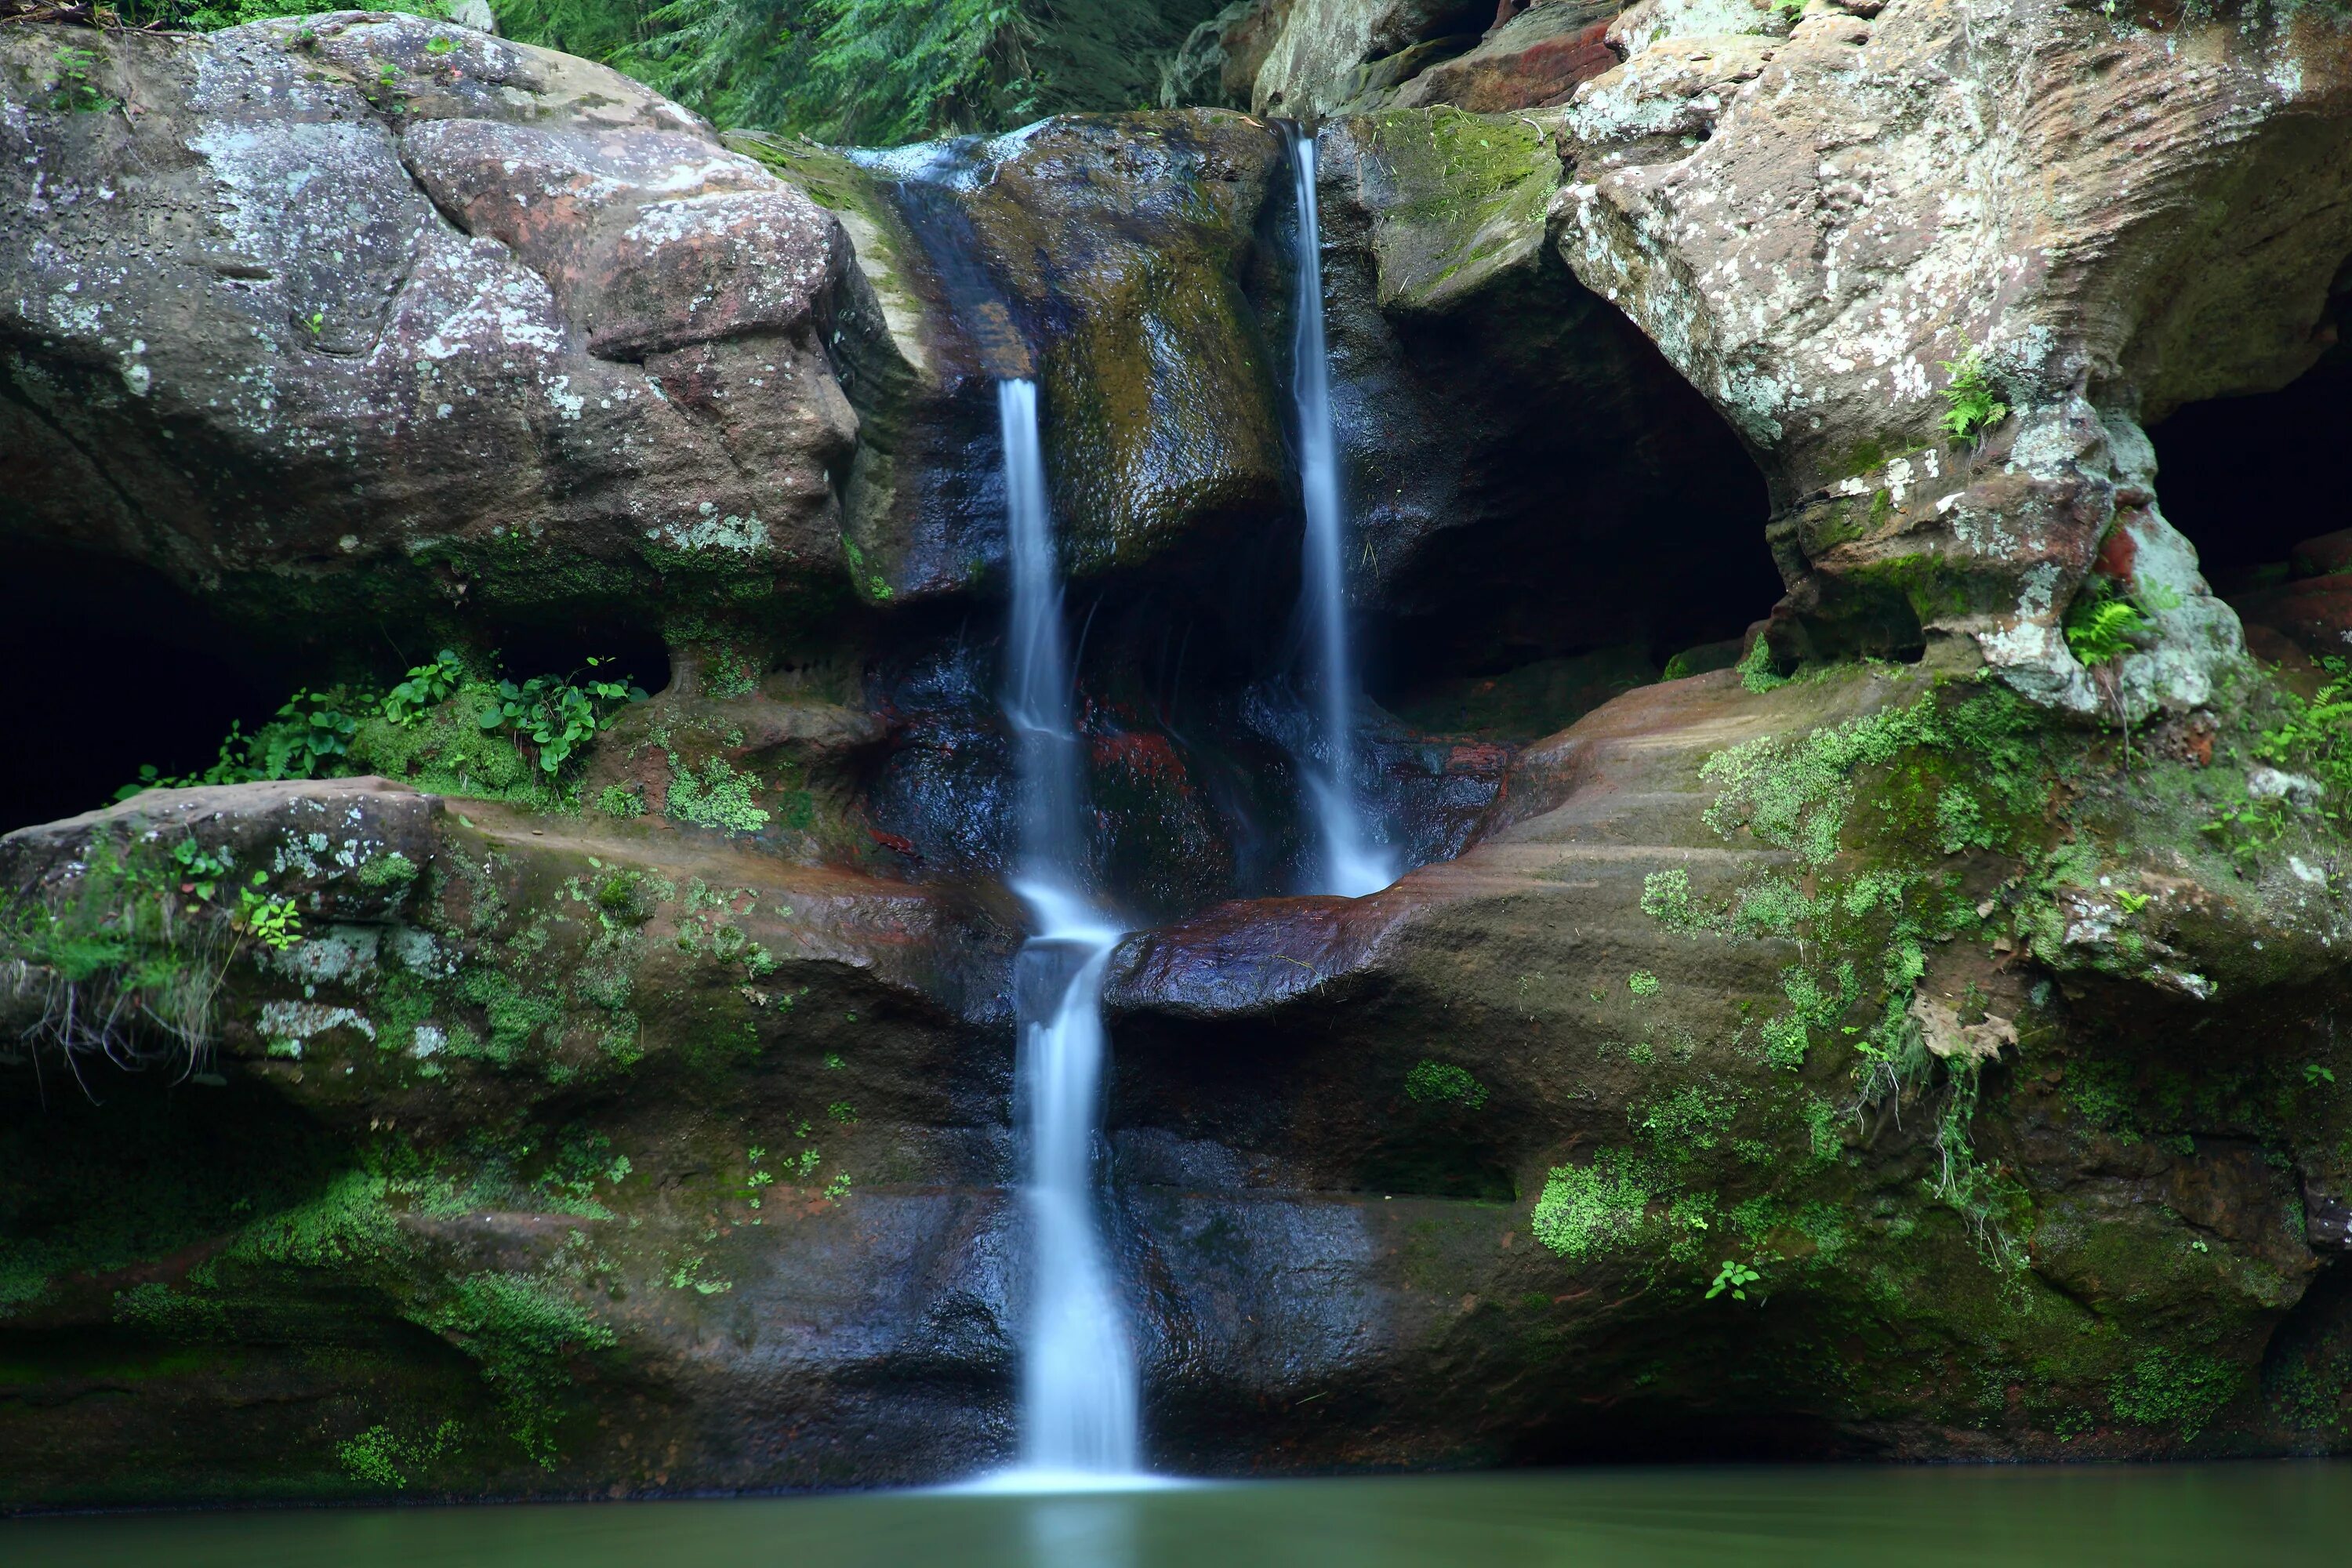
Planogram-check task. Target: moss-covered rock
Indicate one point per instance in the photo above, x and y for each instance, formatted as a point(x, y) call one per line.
point(465, 1159)
point(424, 328)
point(1871, 998)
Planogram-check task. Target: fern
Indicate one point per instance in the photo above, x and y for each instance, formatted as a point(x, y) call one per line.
point(1972, 405)
point(2103, 632)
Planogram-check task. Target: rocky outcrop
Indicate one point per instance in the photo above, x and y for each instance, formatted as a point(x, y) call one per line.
point(607, 1092)
point(2113, 218)
point(571, 1156)
point(1534, 58)
point(362, 315)
point(1668, 1012)
point(1511, 442)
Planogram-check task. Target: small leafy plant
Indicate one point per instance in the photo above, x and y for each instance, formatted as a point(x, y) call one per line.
point(200, 868)
point(74, 86)
point(428, 686)
point(1971, 405)
point(268, 917)
point(556, 713)
point(1734, 1277)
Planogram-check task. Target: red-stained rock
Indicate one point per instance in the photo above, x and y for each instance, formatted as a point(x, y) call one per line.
point(426, 357)
point(1535, 59)
point(2319, 557)
point(2313, 612)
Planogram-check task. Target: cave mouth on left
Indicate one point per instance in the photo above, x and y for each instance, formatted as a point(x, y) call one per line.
point(119, 669)
point(115, 669)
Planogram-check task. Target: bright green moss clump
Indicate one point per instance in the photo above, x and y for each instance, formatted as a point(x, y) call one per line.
point(1585, 1210)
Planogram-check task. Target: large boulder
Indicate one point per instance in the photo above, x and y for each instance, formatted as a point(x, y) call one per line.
point(2013, 1092)
point(1114, 260)
point(366, 315)
point(1840, 234)
point(526, 1156)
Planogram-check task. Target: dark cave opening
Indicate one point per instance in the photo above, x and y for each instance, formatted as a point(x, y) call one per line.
point(134, 672)
point(1617, 537)
point(625, 651)
point(117, 669)
point(2237, 475)
point(2272, 527)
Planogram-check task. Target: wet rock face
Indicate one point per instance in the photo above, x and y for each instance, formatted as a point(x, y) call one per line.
point(1512, 447)
point(366, 314)
point(564, 1125)
point(646, 1126)
point(1779, 217)
point(1604, 1017)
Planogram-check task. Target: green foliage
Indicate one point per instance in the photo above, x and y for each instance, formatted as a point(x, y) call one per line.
point(1734, 1277)
point(210, 15)
point(440, 728)
point(1443, 1083)
point(2173, 1388)
point(869, 71)
point(132, 947)
point(2314, 737)
point(516, 1016)
point(1815, 1006)
point(1641, 983)
point(1794, 794)
point(348, 1222)
point(626, 896)
point(1692, 1118)
point(624, 800)
point(380, 1457)
point(427, 685)
point(202, 869)
point(386, 872)
point(270, 920)
point(73, 85)
point(1666, 899)
point(1972, 405)
point(1585, 1210)
point(2100, 629)
point(522, 1333)
point(558, 714)
point(1755, 669)
point(717, 797)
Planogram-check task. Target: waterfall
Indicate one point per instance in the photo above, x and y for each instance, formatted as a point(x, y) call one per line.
point(1078, 1378)
point(1352, 863)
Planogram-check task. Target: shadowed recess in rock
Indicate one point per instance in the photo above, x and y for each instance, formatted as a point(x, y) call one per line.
point(114, 669)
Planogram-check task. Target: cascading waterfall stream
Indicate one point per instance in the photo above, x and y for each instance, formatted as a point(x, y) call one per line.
point(1078, 1376)
point(1352, 863)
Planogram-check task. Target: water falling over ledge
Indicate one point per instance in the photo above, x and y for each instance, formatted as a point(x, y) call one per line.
point(1078, 1376)
point(1351, 862)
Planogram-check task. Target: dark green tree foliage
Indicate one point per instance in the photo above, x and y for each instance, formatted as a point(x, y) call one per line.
point(852, 72)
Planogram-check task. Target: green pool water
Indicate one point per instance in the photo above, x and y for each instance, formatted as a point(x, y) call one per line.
point(2273, 1514)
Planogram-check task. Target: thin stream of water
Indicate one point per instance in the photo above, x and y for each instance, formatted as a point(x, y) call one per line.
point(1352, 862)
point(1078, 1374)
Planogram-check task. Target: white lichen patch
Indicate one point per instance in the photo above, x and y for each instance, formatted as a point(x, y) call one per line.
point(299, 1022)
point(731, 532)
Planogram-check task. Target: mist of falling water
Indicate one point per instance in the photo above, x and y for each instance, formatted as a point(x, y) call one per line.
point(1351, 862)
point(1079, 1377)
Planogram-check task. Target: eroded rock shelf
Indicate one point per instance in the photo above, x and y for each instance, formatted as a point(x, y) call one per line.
point(1841, 525)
